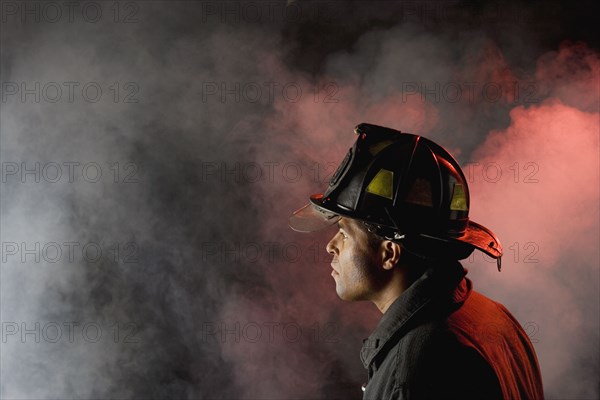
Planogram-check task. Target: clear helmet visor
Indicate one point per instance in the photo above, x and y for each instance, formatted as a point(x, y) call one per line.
point(312, 218)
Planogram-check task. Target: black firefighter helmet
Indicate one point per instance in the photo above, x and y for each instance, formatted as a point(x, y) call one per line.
point(405, 188)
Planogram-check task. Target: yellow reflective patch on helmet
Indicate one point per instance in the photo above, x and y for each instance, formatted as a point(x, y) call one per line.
point(459, 199)
point(382, 184)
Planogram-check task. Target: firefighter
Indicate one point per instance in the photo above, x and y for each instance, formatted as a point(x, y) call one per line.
point(401, 205)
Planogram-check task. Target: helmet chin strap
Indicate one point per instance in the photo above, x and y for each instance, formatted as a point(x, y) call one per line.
point(398, 238)
point(390, 234)
point(394, 236)
point(397, 234)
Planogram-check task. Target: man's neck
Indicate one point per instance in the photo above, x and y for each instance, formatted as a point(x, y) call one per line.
point(401, 280)
point(384, 304)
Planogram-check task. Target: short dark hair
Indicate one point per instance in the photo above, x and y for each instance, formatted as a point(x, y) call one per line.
point(373, 240)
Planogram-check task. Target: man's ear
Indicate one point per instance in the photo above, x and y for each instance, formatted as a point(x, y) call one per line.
point(390, 252)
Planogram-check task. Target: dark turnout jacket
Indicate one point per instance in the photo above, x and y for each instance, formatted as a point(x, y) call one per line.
point(442, 340)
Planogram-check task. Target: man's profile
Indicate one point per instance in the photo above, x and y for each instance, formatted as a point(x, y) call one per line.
point(401, 204)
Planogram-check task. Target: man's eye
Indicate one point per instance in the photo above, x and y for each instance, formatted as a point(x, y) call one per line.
point(344, 235)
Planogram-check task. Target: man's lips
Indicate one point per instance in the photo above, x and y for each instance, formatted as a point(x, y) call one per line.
point(334, 272)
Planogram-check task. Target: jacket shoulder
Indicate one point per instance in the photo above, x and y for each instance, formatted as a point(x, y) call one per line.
point(433, 363)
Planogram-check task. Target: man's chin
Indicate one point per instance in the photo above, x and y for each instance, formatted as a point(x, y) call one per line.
point(341, 294)
point(344, 295)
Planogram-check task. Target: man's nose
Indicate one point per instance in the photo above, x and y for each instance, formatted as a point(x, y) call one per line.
point(331, 249)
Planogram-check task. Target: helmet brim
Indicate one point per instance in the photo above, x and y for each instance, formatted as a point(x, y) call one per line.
point(482, 239)
point(311, 217)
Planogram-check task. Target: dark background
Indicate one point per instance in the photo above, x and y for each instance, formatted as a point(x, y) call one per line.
point(215, 121)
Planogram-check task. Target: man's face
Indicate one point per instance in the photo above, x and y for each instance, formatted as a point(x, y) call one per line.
point(355, 265)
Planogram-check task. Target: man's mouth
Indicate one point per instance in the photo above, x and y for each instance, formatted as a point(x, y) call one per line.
point(334, 271)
